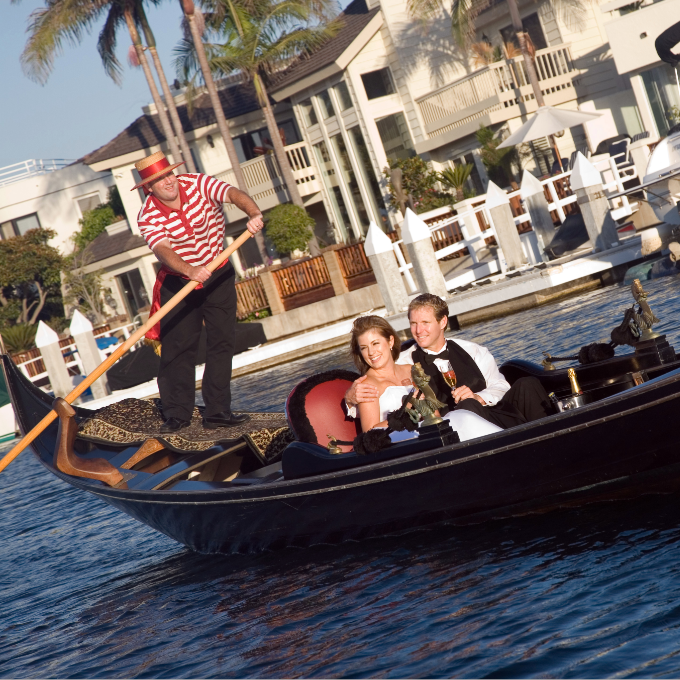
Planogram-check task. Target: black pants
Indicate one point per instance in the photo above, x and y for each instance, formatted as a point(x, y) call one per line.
point(214, 304)
point(525, 401)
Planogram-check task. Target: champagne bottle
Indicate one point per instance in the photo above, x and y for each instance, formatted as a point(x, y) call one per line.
point(575, 389)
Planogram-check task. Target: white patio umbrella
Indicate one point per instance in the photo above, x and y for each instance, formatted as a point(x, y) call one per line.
point(545, 123)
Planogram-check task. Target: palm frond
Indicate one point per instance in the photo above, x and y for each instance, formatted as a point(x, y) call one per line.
point(572, 13)
point(106, 44)
point(463, 16)
point(50, 27)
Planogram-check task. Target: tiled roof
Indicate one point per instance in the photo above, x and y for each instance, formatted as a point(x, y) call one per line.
point(107, 245)
point(354, 19)
point(146, 131)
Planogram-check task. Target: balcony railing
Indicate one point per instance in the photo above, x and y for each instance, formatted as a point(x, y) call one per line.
point(18, 171)
point(500, 91)
point(264, 179)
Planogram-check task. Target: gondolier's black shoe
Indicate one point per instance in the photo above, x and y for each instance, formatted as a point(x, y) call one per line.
point(224, 419)
point(174, 424)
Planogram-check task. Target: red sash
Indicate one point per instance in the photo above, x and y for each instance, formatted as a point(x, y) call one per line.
point(155, 332)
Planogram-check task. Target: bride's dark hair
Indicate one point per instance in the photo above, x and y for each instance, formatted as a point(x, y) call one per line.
point(371, 323)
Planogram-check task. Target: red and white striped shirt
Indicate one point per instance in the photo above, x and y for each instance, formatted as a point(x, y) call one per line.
point(196, 232)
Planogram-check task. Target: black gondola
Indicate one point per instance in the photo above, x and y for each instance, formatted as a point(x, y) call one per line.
point(623, 442)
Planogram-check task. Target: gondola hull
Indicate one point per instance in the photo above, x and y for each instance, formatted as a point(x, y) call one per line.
point(622, 445)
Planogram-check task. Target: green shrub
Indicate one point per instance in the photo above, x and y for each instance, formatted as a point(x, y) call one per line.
point(93, 223)
point(19, 338)
point(255, 316)
point(289, 227)
point(417, 180)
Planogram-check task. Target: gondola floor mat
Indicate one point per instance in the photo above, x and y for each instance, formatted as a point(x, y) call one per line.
point(132, 421)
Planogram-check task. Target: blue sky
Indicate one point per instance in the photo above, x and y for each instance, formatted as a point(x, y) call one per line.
point(80, 108)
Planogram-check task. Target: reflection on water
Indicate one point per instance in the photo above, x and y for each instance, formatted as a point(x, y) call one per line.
point(86, 591)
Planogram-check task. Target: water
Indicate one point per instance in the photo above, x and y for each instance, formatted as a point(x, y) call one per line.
point(86, 591)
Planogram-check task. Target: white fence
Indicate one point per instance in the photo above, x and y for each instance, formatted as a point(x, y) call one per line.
point(474, 237)
point(71, 350)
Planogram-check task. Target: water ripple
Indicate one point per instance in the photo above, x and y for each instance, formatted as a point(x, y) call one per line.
point(85, 591)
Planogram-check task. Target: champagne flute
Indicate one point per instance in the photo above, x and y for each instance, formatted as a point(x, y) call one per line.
point(448, 374)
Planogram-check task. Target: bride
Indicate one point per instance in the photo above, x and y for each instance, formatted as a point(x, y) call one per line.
point(375, 348)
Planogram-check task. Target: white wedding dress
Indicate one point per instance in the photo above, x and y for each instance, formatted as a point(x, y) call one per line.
point(468, 425)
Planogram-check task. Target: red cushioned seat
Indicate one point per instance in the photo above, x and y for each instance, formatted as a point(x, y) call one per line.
point(315, 409)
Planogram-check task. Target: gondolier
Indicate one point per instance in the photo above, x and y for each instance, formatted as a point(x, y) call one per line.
point(183, 223)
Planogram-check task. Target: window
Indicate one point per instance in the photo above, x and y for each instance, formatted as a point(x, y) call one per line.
point(662, 92)
point(258, 142)
point(344, 97)
point(90, 202)
point(378, 83)
point(366, 169)
point(19, 226)
point(395, 137)
point(327, 110)
point(350, 180)
point(532, 26)
point(133, 292)
point(330, 179)
point(308, 112)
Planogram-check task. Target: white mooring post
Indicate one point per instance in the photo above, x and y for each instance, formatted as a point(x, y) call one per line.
point(82, 332)
point(47, 341)
point(537, 207)
point(586, 182)
point(418, 241)
point(378, 249)
point(498, 204)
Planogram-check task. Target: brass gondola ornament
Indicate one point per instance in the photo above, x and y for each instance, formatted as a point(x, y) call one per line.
point(332, 445)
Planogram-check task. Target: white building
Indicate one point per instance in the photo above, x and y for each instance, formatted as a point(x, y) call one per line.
point(49, 194)
point(387, 87)
point(632, 30)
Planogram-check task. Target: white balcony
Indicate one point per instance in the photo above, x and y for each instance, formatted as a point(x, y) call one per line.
point(265, 183)
point(495, 94)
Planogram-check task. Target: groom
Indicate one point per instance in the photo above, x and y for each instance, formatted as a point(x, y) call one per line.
point(481, 388)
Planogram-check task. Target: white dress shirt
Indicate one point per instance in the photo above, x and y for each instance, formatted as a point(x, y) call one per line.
point(496, 384)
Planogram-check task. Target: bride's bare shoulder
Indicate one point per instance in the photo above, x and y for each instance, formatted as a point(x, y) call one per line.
point(404, 370)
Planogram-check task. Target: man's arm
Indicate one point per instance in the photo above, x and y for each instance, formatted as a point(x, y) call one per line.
point(164, 252)
point(243, 202)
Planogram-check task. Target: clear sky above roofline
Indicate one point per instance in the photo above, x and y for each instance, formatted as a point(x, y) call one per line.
point(80, 108)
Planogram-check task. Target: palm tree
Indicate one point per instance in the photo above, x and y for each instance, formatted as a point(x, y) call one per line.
point(169, 99)
point(69, 20)
point(196, 25)
point(261, 37)
point(194, 18)
point(455, 178)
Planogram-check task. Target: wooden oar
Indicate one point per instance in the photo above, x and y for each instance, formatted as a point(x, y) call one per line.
point(110, 360)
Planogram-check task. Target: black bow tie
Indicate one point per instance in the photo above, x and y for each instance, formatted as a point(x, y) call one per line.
point(429, 358)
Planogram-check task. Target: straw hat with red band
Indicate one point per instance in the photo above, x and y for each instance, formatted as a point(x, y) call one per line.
point(153, 167)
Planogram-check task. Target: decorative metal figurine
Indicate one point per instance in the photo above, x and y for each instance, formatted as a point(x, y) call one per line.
point(644, 316)
point(423, 408)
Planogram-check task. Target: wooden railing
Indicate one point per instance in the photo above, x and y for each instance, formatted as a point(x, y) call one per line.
point(302, 283)
point(355, 267)
point(250, 297)
point(301, 277)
